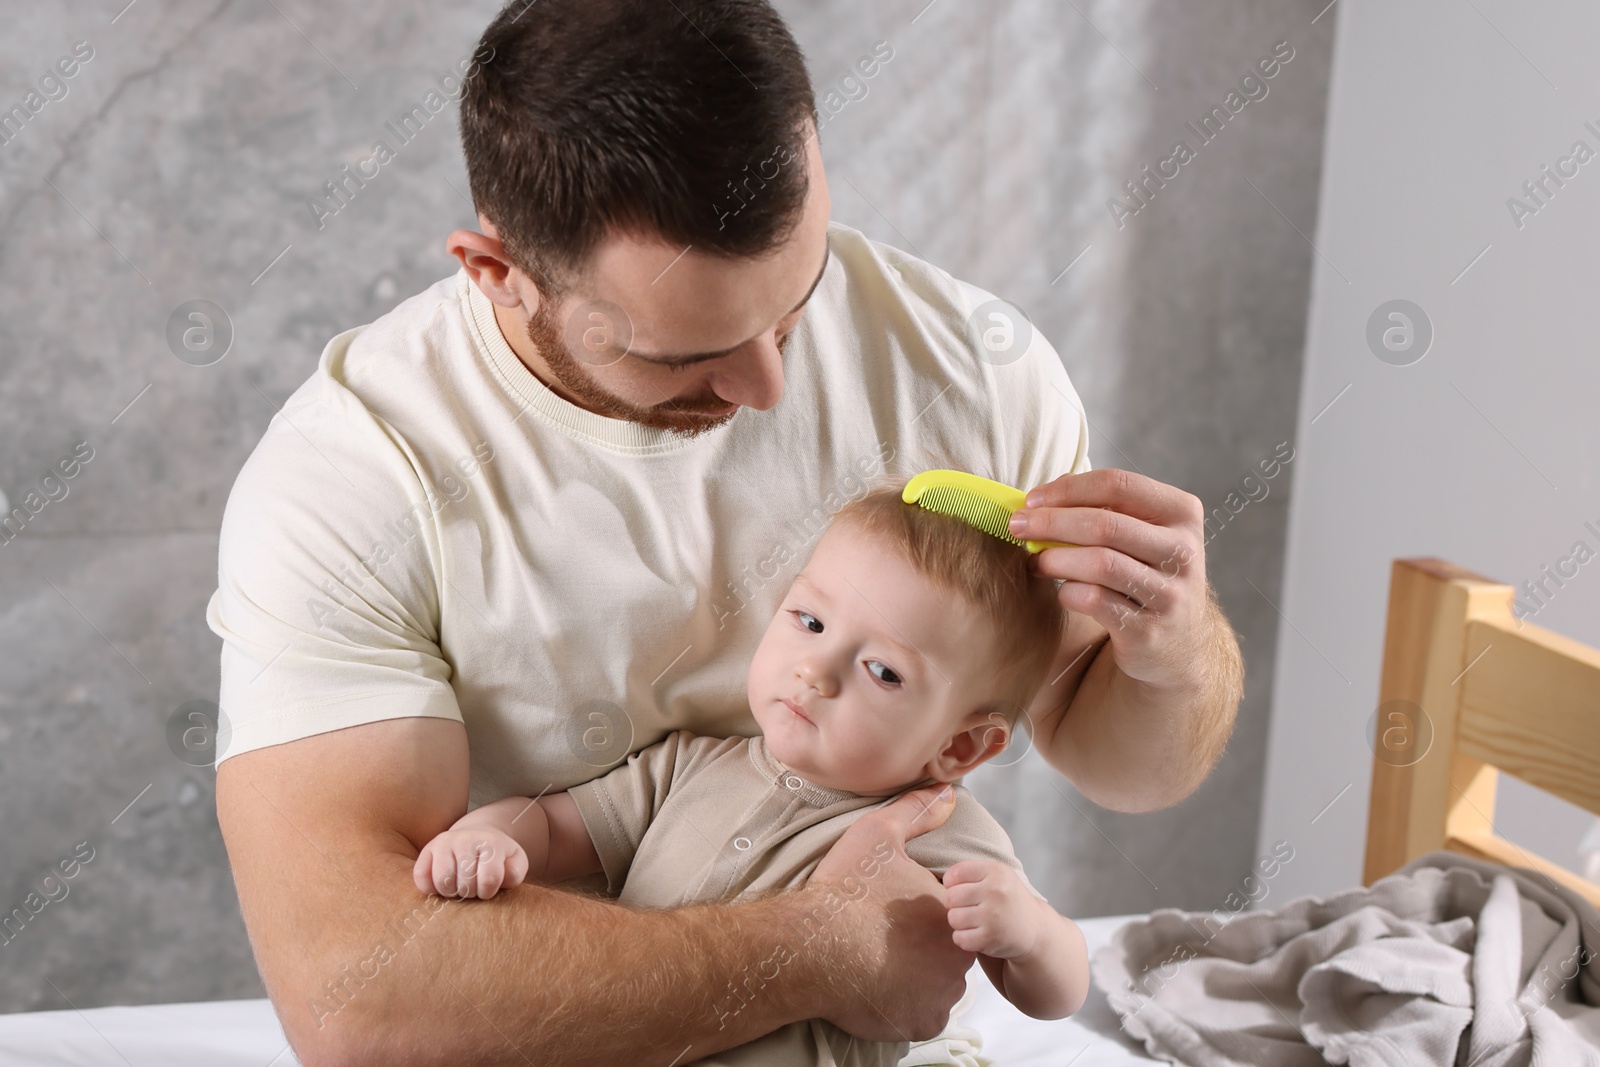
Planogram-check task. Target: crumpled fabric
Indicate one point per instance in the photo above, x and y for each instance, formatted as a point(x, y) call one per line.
point(1450, 961)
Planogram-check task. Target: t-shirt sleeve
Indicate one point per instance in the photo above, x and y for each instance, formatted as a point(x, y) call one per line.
point(1042, 427)
point(619, 806)
point(327, 601)
point(970, 833)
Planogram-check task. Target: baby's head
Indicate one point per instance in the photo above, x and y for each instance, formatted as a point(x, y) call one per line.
point(910, 644)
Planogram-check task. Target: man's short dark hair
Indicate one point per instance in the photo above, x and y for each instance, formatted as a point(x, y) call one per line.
point(660, 119)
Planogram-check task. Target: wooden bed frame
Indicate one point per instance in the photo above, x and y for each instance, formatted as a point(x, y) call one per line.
point(1469, 690)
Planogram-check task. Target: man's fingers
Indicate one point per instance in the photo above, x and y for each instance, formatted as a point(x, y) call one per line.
point(1108, 569)
point(910, 814)
point(1126, 491)
point(922, 809)
point(1081, 527)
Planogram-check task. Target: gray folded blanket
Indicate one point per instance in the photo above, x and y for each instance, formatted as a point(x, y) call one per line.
point(1450, 961)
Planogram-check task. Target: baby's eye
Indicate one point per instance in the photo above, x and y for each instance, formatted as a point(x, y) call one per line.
point(674, 368)
point(888, 674)
point(807, 619)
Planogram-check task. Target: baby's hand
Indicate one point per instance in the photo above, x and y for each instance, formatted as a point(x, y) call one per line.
point(470, 863)
point(990, 910)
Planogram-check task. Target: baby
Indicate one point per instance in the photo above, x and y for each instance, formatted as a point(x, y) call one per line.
point(901, 656)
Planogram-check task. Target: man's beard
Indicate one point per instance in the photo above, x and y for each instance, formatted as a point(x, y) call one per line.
point(682, 417)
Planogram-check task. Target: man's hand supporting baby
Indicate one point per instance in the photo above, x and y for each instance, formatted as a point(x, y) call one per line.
point(1032, 954)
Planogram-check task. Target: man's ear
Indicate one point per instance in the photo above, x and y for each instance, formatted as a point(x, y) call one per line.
point(979, 738)
point(486, 262)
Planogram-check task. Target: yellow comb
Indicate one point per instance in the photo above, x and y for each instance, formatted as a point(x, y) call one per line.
point(979, 502)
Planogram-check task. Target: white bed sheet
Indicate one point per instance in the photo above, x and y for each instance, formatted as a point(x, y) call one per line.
point(245, 1033)
point(1091, 1038)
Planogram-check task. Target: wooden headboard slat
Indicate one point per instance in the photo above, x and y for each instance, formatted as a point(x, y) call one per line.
point(1493, 693)
point(1531, 707)
point(1418, 779)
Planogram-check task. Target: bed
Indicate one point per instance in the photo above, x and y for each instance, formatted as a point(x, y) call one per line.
point(1452, 717)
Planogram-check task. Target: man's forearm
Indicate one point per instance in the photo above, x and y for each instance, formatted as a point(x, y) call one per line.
point(1130, 746)
point(544, 975)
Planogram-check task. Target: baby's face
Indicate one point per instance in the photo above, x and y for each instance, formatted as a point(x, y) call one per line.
point(884, 670)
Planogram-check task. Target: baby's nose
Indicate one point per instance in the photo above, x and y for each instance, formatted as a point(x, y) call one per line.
point(818, 678)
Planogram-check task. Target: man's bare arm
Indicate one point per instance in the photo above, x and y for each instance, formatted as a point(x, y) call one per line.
point(1129, 746)
point(1148, 678)
point(362, 968)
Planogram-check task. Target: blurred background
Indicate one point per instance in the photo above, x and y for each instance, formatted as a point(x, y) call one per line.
point(1210, 322)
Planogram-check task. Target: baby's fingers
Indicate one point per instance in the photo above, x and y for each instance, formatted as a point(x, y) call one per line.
point(435, 869)
point(483, 867)
point(966, 872)
point(471, 858)
point(971, 940)
point(422, 872)
point(969, 929)
point(516, 869)
point(427, 874)
point(494, 871)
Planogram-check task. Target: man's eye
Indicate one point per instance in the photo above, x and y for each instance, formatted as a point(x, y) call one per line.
point(809, 621)
point(888, 674)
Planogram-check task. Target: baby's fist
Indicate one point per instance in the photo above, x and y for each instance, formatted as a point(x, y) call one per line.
point(990, 910)
point(470, 863)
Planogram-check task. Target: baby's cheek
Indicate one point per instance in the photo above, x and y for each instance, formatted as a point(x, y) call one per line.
point(758, 683)
point(872, 757)
point(849, 754)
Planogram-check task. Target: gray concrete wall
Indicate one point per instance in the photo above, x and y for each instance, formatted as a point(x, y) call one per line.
point(178, 165)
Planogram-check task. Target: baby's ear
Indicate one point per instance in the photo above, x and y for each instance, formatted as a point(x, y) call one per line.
point(980, 737)
point(998, 729)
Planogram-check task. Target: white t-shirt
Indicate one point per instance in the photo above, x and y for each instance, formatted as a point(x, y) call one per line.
point(426, 529)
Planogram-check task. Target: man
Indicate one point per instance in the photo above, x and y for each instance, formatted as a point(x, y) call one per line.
point(537, 517)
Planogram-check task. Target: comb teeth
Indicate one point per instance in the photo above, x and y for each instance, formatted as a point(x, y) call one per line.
point(983, 514)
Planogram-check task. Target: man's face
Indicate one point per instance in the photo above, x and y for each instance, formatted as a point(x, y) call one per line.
point(883, 668)
point(677, 339)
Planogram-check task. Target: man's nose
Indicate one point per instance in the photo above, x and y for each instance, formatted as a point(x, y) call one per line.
point(753, 377)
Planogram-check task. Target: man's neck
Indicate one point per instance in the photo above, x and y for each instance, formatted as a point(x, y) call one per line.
point(514, 330)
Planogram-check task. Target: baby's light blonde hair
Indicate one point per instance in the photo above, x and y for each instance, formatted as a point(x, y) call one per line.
point(990, 574)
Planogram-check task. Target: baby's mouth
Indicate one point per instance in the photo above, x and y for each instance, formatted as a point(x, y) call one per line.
point(792, 706)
